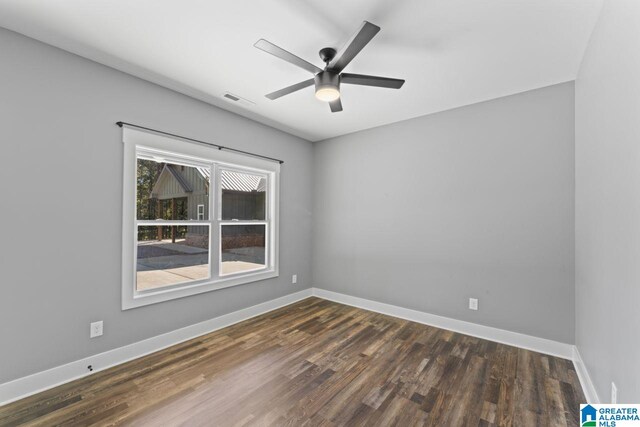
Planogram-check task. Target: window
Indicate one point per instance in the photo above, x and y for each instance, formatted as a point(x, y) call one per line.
point(243, 225)
point(196, 218)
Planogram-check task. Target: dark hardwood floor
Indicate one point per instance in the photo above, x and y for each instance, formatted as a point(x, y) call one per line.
point(319, 363)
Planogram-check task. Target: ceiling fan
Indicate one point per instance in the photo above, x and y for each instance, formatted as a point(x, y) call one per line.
point(327, 81)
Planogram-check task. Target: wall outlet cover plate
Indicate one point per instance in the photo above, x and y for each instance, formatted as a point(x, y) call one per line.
point(96, 329)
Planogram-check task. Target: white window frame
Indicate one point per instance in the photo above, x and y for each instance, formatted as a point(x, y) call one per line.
point(180, 151)
point(200, 212)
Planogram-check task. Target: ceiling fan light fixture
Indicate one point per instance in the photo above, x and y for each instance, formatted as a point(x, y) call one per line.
point(327, 94)
point(327, 86)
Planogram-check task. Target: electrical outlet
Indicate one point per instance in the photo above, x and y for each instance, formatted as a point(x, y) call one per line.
point(96, 329)
point(614, 393)
point(473, 303)
point(294, 279)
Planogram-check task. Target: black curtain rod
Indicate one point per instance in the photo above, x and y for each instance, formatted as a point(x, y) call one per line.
point(218, 146)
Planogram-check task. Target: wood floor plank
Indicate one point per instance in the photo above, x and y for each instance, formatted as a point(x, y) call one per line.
point(318, 363)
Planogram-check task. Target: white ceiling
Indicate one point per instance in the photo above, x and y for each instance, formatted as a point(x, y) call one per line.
point(451, 52)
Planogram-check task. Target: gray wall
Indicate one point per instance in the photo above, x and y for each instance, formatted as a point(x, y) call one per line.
point(473, 202)
point(608, 203)
point(61, 192)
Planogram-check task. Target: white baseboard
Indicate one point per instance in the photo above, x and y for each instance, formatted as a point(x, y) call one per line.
point(585, 380)
point(541, 345)
point(26, 386)
point(35, 383)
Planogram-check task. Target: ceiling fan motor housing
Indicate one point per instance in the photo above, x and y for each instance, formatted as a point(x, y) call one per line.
point(327, 80)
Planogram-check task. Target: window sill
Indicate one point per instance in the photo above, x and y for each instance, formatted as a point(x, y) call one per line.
point(139, 299)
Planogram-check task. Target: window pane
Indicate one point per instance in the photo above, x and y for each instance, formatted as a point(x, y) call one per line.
point(243, 248)
point(243, 195)
point(168, 255)
point(171, 191)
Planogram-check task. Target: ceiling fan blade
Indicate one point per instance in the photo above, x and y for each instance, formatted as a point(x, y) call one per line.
point(358, 41)
point(336, 106)
point(289, 89)
point(274, 50)
point(365, 80)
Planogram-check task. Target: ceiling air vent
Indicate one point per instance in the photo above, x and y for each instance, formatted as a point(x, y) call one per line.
point(238, 99)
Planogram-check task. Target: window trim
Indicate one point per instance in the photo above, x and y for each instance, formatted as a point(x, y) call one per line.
point(172, 148)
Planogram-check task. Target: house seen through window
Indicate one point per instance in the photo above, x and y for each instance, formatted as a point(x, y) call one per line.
point(175, 225)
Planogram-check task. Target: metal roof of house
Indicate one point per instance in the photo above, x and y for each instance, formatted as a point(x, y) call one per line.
point(236, 181)
point(241, 181)
point(205, 172)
